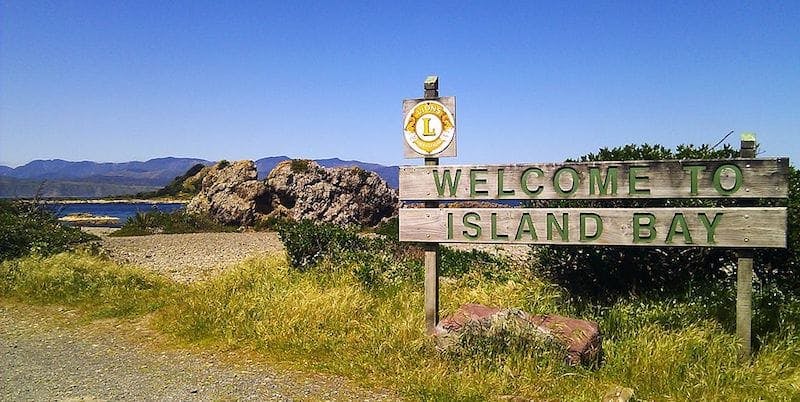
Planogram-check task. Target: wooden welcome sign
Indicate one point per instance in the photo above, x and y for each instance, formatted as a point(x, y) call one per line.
point(429, 132)
point(712, 227)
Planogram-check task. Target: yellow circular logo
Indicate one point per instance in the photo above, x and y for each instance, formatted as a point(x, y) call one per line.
point(429, 127)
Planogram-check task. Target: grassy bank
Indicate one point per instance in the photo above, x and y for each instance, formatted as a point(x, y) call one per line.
point(325, 319)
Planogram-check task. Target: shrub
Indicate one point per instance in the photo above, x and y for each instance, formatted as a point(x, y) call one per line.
point(27, 227)
point(389, 228)
point(299, 165)
point(376, 260)
point(154, 222)
point(607, 273)
point(307, 242)
point(457, 263)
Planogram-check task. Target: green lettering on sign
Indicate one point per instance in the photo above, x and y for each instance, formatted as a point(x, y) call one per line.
point(711, 226)
point(524, 181)
point(496, 236)
point(635, 178)
point(694, 172)
point(737, 183)
point(502, 192)
point(474, 180)
point(446, 182)
point(526, 227)
point(598, 223)
point(557, 181)
point(449, 226)
point(649, 226)
point(596, 181)
point(563, 228)
point(679, 220)
point(471, 225)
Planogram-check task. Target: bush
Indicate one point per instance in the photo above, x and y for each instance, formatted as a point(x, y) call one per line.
point(377, 260)
point(607, 273)
point(299, 165)
point(457, 263)
point(27, 227)
point(389, 228)
point(307, 242)
point(154, 222)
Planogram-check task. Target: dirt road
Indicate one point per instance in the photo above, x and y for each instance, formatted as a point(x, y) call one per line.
point(47, 354)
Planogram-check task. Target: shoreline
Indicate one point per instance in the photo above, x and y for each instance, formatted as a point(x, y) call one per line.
point(107, 201)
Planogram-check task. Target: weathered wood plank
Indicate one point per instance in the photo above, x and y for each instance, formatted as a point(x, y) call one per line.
point(737, 178)
point(662, 227)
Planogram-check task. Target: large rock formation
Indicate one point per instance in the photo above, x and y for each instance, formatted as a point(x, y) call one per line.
point(580, 340)
point(302, 189)
point(296, 189)
point(231, 194)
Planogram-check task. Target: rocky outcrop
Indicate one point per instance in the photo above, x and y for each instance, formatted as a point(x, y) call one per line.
point(302, 189)
point(231, 194)
point(580, 340)
point(295, 189)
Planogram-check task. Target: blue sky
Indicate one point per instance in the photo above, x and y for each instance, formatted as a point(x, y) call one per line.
point(534, 81)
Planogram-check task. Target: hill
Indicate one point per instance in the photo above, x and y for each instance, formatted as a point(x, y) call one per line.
point(86, 179)
point(151, 173)
point(29, 188)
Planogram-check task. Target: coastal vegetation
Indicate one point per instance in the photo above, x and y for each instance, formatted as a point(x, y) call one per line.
point(344, 303)
point(28, 228)
point(160, 222)
point(182, 187)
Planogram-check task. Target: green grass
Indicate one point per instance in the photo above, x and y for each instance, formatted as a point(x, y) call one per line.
point(102, 287)
point(325, 320)
point(154, 222)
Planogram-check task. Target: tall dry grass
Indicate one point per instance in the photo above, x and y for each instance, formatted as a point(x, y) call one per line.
point(325, 320)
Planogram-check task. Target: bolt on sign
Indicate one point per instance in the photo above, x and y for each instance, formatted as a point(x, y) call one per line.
point(702, 179)
point(429, 127)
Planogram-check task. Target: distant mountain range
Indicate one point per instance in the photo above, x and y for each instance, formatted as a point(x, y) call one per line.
point(60, 178)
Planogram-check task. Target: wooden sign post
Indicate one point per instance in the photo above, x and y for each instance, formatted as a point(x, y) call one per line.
point(429, 131)
point(744, 273)
point(432, 255)
point(429, 125)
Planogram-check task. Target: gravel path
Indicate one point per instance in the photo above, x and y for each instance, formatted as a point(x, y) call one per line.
point(189, 257)
point(47, 356)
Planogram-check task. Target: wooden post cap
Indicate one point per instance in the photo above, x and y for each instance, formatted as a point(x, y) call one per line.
point(432, 82)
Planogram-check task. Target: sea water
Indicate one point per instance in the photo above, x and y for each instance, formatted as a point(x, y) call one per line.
point(121, 210)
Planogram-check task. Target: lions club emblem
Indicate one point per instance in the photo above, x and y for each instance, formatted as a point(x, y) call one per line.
point(429, 127)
